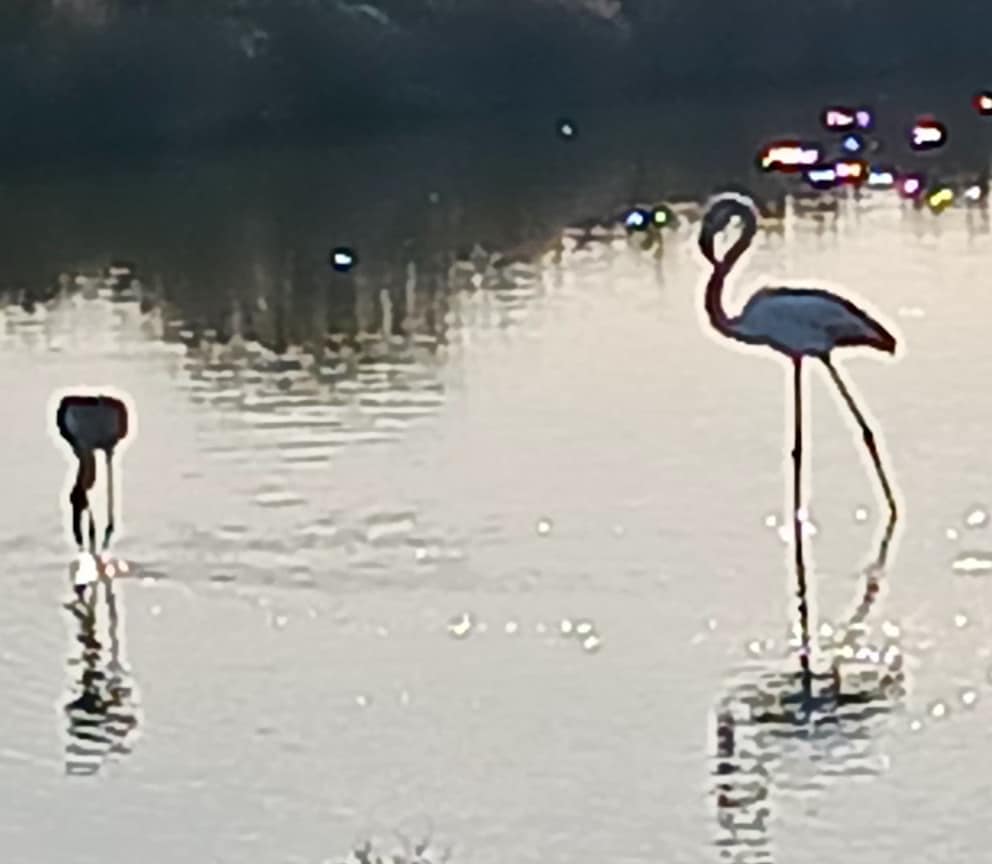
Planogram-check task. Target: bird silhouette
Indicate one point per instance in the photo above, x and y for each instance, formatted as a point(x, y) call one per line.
point(798, 323)
point(91, 423)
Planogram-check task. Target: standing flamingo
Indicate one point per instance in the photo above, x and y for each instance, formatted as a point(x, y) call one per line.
point(799, 323)
point(91, 423)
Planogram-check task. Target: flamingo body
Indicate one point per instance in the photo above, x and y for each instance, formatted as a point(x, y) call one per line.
point(807, 322)
point(92, 422)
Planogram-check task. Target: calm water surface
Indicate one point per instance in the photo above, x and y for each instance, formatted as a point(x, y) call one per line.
point(482, 546)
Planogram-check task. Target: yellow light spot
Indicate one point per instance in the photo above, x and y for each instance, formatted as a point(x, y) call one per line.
point(940, 198)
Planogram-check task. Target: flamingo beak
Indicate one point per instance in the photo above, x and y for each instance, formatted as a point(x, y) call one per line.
point(706, 244)
point(714, 221)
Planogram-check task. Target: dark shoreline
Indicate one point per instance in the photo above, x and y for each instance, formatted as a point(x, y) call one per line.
point(787, 111)
point(153, 83)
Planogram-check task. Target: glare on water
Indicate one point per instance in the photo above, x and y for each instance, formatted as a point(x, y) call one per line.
point(498, 569)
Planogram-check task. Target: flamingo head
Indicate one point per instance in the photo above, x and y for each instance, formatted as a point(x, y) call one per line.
point(721, 212)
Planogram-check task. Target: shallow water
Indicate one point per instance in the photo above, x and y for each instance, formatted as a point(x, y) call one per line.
point(497, 575)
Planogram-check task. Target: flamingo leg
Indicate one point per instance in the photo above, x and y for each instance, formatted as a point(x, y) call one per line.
point(797, 525)
point(869, 439)
point(110, 500)
point(77, 499)
point(80, 502)
point(92, 530)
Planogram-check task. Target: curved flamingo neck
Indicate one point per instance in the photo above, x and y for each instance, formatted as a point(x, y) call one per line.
point(714, 288)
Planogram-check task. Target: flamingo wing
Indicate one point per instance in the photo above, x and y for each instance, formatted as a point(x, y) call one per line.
point(809, 321)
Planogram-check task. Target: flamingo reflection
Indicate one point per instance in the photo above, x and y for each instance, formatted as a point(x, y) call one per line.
point(777, 730)
point(102, 713)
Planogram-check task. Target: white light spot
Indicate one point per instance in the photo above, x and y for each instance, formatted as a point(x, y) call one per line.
point(566, 627)
point(591, 643)
point(927, 134)
point(461, 626)
point(584, 628)
point(362, 700)
point(826, 631)
point(938, 710)
point(972, 564)
point(960, 620)
point(156, 610)
point(968, 697)
point(771, 520)
point(85, 571)
point(754, 648)
point(280, 621)
point(860, 515)
point(890, 629)
point(910, 312)
point(342, 259)
point(976, 518)
point(837, 118)
point(711, 624)
point(880, 178)
point(544, 526)
point(511, 627)
point(867, 654)
point(951, 534)
point(789, 155)
point(915, 725)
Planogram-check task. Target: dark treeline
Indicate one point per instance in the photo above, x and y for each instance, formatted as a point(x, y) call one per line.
point(82, 75)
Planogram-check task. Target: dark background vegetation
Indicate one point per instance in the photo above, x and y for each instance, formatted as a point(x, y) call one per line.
point(102, 75)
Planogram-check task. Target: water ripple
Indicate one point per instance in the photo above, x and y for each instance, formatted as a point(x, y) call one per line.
point(973, 563)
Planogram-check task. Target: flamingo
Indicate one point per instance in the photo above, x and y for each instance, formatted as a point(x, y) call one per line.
point(91, 423)
point(799, 323)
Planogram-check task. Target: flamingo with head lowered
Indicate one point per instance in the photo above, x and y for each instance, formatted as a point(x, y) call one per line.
point(88, 424)
point(799, 323)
